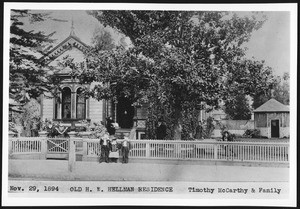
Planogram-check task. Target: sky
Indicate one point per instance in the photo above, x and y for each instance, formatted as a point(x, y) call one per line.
point(270, 43)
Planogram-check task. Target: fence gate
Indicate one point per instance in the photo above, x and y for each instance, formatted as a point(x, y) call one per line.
point(57, 148)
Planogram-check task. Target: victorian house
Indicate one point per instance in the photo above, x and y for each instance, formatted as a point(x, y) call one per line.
point(73, 106)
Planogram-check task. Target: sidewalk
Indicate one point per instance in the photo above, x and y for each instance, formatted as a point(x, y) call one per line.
point(93, 171)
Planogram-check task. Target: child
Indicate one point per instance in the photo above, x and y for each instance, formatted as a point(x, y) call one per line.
point(114, 151)
point(125, 149)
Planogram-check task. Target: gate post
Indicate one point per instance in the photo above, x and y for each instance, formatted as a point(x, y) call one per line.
point(72, 155)
point(44, 148)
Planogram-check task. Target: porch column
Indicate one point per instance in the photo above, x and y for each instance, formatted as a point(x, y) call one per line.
point(104, 109)
point(87, 108)
point(115, 111)
point(59, 107)
point(73, 105)
point(42, 107)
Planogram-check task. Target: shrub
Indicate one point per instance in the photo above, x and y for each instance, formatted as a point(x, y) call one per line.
point(99, 130)
point(252, 133)
point(54, 129)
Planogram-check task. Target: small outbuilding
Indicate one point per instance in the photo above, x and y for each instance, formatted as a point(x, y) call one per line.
point(273, 119)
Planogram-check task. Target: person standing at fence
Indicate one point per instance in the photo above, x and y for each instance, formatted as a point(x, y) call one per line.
point(104, 149)
point(227, 137)
point(110, 126)
point(114, 151)
point(126, 146)
point(161, 130)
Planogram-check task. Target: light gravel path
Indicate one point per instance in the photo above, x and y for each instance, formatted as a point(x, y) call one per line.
point(90, 171)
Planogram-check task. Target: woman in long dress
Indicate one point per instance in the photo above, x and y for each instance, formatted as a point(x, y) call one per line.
point(114, 150)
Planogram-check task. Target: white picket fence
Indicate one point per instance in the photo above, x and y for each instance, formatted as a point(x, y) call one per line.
point(162, 149)
point(201, 150)
point(25, 145)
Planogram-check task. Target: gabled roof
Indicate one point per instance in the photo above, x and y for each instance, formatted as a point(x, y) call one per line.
point(71, 41)
point(272, 106)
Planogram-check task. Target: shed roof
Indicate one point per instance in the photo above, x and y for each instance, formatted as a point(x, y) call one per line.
point(272, 106)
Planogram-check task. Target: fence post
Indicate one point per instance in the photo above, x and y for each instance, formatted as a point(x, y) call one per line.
point(147, 150)
point(72, 155)
point(215, 151)
point(44, 148)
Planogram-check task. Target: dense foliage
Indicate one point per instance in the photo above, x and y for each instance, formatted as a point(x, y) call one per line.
point(26, 74)
point(280, 90)
point(102, 39)
point(179, 59)
point(238, 108)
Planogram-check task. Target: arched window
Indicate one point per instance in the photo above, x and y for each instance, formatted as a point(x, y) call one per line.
point(80, 105)
point(66, 103)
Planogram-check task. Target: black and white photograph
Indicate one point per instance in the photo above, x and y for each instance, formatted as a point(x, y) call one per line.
point(149, 104)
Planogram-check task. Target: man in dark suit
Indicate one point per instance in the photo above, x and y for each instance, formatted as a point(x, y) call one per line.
point(161, 131)
point(104, 143)
point(110, 126)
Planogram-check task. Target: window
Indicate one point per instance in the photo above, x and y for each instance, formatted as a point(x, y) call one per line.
point(66, 103)
point(56, 108)
point(80, 104)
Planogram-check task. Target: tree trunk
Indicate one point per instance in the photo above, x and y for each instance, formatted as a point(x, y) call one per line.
point(178, 125)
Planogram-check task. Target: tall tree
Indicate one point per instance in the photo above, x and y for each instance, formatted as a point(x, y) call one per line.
point(246, 77)
point(279, 90)
point(282, 89)
point(178, 60)
point(238, 108)
point(26, 75)
point(102, 39)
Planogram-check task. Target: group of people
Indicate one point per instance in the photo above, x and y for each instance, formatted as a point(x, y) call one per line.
point(110, 147)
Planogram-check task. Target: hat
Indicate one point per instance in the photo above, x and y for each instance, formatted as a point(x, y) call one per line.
point(105, 137)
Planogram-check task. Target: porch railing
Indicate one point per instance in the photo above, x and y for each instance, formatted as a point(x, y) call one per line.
point(158, 149)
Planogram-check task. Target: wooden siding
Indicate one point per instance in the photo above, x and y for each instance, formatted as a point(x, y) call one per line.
point(285, 120)
point(260, 119)
point(47, 108)
point(96, 110)
point(274, 116)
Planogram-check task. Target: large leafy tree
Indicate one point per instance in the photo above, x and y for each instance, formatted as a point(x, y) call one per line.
point(246, 77)
point(238, 108)
point(179, 60)
point(26, 74)
point(102, 39)
point(279, 90)
point(282, 89)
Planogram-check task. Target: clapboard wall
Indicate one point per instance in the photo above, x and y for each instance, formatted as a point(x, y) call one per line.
point(95, 110)
point(47, 107)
